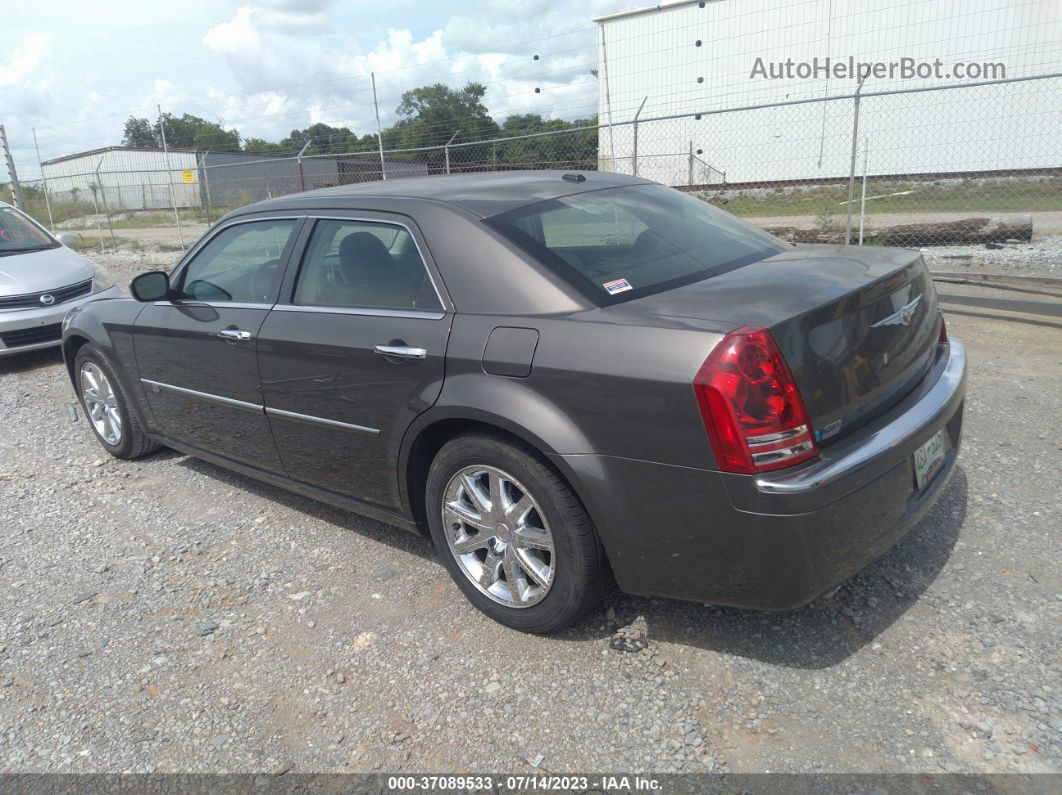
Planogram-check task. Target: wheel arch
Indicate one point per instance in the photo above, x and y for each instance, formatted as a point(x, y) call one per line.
point(435, 428)
point(71, 345)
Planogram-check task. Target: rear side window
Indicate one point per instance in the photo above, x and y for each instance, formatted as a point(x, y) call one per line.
point(364, 265)
point(617, 244)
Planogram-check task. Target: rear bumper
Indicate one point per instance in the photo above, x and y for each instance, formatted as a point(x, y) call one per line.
point(774, 542)
point(23, 330)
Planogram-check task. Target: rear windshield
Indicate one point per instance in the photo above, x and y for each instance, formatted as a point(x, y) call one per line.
point(616, 244)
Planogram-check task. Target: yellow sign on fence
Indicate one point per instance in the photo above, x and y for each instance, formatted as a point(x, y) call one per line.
point(188, 175)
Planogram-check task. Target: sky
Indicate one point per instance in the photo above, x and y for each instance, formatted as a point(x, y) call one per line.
point(75, 70)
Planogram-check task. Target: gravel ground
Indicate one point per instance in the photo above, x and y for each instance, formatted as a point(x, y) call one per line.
point(166, 615)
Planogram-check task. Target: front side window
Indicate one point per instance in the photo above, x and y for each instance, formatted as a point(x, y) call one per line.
point(364, 265)
point(240, 264)
point(616, 244)
point(18, 234)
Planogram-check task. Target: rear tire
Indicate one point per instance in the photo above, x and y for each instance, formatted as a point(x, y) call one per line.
point(107, 406)
point(499, 514)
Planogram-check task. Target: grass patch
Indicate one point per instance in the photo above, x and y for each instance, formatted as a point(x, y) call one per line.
point(973, 196)
point(90, 241)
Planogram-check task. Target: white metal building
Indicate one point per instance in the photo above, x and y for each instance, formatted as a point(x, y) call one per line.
point(696, 56)
point(126, 177)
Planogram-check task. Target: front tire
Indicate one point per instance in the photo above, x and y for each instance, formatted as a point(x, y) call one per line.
point(512, 534)
point(107, 406)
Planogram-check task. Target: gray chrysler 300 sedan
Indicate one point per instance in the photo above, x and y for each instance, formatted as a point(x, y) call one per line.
point(563, 379)
point(40, 280)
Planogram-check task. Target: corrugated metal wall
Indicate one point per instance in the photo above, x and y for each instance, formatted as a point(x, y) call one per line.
point(686, 58)
point(128, 179)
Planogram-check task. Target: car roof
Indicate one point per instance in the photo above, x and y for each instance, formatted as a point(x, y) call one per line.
point(483, 193)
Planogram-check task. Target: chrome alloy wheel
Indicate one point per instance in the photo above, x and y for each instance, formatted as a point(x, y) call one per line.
point(499, 536)
point(101, 403)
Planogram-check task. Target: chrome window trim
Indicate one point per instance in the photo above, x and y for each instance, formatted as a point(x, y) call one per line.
point(214, 304)
point(338, 310)
point(310, 420)
point(180, 390)
point(357, 310)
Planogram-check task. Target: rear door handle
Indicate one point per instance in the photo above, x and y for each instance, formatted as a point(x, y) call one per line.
point(401, 352)
point(234, 334)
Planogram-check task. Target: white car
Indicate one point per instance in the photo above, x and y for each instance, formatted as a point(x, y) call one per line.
point(40, 281)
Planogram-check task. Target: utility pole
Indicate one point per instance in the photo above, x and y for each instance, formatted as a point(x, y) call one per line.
point(379, 130)
point(11, 169)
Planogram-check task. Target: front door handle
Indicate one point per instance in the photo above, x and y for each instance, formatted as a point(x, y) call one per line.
point(234, 334)
point(401, 352)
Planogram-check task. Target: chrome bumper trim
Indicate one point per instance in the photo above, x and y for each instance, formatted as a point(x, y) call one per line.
point(892, 435)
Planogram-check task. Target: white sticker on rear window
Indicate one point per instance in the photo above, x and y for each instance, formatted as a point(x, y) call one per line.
point(617, 286)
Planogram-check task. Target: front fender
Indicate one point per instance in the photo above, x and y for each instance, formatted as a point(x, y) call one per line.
point(108, 325)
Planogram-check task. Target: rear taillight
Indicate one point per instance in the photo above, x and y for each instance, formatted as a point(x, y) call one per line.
point(751, 407)
point(943, 336)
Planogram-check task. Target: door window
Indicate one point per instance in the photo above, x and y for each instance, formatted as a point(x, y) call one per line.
point(364, 265)
point(239, 264)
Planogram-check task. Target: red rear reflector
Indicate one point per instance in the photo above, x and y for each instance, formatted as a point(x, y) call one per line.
point(751, 407)
point(943, 336)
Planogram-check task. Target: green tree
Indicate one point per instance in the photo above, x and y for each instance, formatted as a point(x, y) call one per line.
point(140, 132)
point(323, 138)
point(429, 115)
point(182, 132)
point(191, 132)
point(262, 146)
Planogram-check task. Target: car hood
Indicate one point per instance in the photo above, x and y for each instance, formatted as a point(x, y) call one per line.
point(38, 271)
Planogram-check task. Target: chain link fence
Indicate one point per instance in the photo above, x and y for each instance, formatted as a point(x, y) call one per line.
point(975, 163)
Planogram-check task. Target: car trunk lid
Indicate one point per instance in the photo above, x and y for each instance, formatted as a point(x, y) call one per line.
point(857, 326)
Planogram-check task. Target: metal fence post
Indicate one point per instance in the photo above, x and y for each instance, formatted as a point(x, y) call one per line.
point(852, 165)
point(203, 195)
point(44, 183)
point(379, 129)
point(169, 178)
point(446, 149)
point(106, 210)
point(863, 196)
point(298, 158)
point(634, 158)
point(689, 179)
point(96, 212)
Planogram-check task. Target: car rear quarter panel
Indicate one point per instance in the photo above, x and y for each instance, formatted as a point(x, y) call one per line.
point(597, 386)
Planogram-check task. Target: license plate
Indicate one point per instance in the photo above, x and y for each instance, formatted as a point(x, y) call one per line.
point(928, 458)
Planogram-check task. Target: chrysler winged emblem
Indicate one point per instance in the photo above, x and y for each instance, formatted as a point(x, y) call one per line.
point(901, 317)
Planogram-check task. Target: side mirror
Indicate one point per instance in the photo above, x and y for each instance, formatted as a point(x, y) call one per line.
point(66, 239)
point(153, 286)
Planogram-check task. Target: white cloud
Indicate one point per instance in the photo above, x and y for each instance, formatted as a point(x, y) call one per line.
point(238, 35)
point(24, 59)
